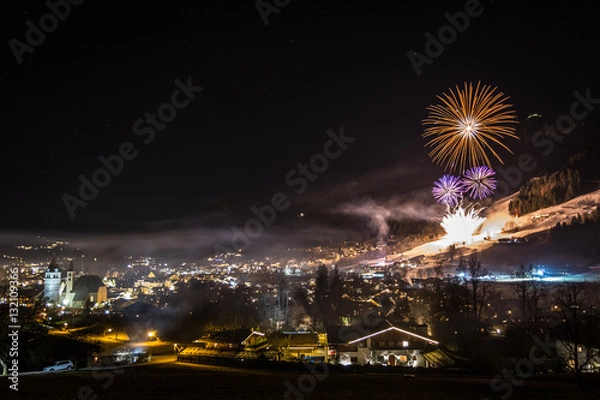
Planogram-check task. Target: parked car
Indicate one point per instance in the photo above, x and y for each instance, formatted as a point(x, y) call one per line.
point(62, 365)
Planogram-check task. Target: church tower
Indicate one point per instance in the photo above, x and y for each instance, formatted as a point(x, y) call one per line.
point(52, 282)
point(68, 294)
point(70, 278)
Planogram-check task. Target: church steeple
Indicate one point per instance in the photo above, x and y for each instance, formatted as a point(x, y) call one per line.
point(68, 293)
point(53, 266)
point(70, 279)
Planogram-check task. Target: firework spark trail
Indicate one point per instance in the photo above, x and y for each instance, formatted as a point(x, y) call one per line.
point(479, 182)
point(461, 224)
point(466, 125)
point(448, 190)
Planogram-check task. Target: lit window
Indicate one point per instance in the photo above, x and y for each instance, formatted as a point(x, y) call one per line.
point(405, 343)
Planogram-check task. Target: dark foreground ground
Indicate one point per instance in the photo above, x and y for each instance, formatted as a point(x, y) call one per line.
point(187, 381)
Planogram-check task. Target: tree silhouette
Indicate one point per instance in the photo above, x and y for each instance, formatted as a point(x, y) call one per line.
point(321, 299)
point(472, 273)
point(576, 326)
point(529, 291)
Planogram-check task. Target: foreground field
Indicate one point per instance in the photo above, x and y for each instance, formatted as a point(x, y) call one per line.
point(186, 381)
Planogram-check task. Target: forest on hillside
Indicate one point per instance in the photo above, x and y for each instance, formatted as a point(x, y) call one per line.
point(546, 191)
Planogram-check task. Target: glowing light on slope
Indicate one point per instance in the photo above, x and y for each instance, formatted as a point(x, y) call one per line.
point(461, 224)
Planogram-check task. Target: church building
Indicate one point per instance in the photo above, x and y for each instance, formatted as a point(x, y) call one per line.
point(72, 292)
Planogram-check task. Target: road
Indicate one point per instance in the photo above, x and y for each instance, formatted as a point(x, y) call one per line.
point(154, 360)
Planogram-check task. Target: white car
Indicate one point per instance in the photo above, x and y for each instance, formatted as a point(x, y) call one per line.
point(62, 365)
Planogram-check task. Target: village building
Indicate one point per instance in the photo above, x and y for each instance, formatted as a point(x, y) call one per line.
point(383, 344)
point(302, 346)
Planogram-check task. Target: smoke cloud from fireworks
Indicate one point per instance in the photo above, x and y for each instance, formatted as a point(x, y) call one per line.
point(378, 214)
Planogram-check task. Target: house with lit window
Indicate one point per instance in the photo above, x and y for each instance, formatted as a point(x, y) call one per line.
point(255, 341)
point(384, 344)
point(230, 347)
point(588, 357)
point(300, 346)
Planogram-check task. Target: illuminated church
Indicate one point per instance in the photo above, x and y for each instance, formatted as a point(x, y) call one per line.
point(87, 290)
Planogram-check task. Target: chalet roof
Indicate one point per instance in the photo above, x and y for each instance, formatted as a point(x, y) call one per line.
point(440, 358)
point(236, 336)
point(391, 329)
point(294, 339)
point(339, 334)
point(202, 352)
point(85, 285)
point(356, 333)
point(251, 334)
point(199, 351)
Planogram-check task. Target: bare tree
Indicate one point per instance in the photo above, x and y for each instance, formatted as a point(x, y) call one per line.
point(529, 291)
point(576, 327)
point(445, 310)
point(472, 273)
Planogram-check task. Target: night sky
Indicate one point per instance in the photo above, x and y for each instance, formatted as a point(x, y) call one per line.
point(270, 93)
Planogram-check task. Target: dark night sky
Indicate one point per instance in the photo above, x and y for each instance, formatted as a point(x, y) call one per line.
point(270, 94)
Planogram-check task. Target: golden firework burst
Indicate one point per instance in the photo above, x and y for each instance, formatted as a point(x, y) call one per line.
point(467, 124)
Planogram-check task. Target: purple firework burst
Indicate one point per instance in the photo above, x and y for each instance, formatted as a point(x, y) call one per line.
point(479, 182)
point(448, 190)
